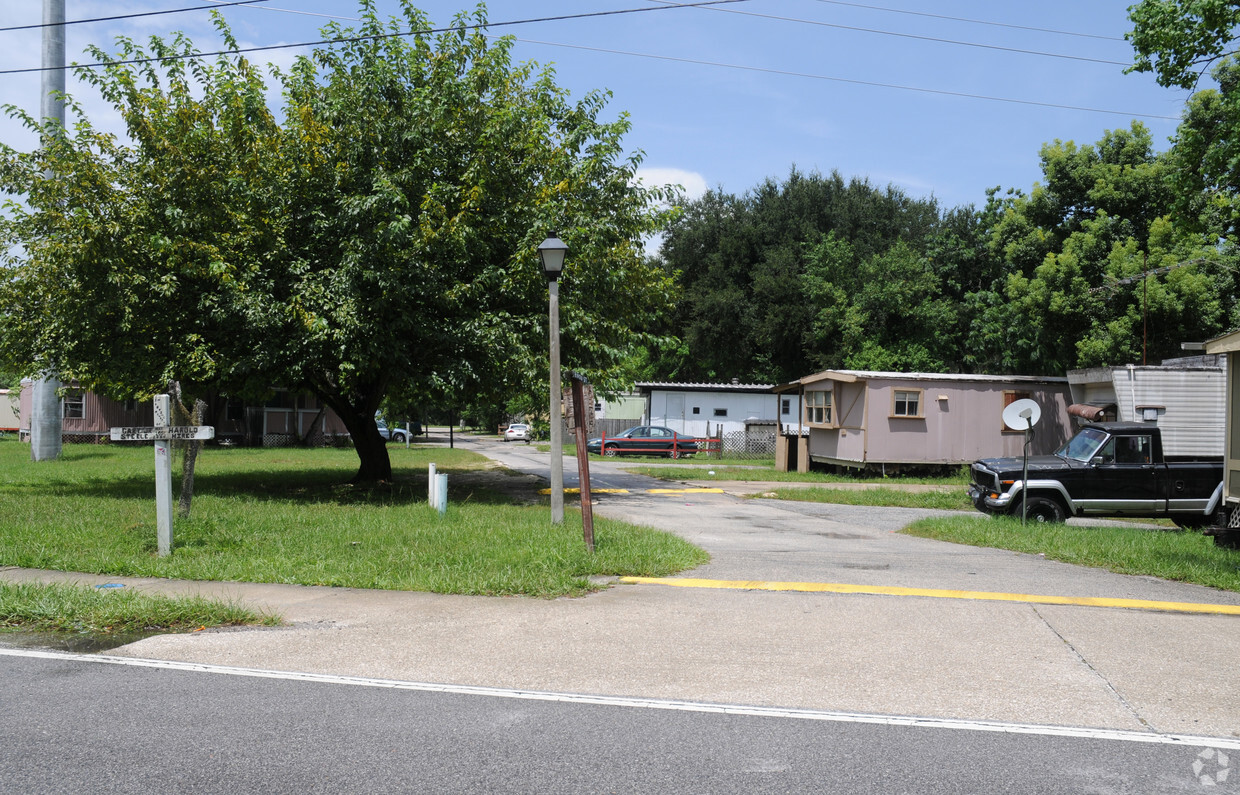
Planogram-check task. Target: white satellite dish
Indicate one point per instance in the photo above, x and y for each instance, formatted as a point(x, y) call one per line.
point(1021, 415)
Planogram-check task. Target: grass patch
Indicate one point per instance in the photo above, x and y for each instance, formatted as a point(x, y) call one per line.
point(763, 471)
point(1170, 555)
point(954, 500)
point(63, 607)
point(290, 516)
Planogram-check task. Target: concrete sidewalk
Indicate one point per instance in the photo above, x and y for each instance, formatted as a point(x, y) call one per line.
point(916, 655)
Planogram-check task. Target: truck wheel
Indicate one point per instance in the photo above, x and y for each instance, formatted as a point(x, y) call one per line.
point(1042, 509)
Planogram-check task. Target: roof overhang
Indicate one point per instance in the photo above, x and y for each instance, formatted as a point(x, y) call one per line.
point(1227, 343)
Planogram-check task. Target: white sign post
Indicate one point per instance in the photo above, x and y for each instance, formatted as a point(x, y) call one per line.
point(162, 435)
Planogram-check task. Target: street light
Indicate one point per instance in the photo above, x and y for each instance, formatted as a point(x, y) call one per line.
point(552, 252)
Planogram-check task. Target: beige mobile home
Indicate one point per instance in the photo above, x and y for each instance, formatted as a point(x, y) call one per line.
point(1183, 397)
point(864, 419)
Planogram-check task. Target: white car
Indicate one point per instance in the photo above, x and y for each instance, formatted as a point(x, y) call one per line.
point(518, 431)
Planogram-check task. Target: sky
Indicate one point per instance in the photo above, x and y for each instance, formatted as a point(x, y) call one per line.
point(943, 99)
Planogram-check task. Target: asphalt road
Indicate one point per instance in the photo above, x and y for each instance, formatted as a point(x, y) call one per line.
point(934, 690)
point(72, 725)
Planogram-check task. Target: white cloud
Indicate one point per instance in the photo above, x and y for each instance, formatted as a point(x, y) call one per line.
point(693, 183)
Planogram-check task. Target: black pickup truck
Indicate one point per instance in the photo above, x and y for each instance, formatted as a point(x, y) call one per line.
point(1106, 469)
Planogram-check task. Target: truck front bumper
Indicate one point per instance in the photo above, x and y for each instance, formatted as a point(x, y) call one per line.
point(989, 501)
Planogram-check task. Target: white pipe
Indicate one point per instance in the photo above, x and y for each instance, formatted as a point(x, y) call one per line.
point(441, 493)
point(430, 485)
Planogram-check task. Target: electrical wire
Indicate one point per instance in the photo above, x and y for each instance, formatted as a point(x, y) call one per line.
point(917, 37)
point(371, 37)
point(652, 56)
point(874, 84)
point(129, 16)
point(974, 21)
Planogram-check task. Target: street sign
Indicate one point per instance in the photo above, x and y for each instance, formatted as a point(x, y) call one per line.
point(177, 432)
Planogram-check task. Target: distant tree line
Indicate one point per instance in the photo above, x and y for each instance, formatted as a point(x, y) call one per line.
point(817, 272)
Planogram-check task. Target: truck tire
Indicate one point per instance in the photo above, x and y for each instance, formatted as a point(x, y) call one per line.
point(1042, 509)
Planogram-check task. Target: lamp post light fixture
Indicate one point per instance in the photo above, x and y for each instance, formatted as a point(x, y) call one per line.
point(552, 252)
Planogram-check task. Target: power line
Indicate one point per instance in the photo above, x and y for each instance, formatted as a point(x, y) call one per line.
point(917, 37)
point(975, 21)
point(874, 84)
point(652, 56)
point(129, 16)
point(375, 37)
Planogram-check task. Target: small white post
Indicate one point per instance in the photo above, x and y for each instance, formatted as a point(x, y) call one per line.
point(406, 435)
point(163, 478)
point(430, 485)
point(441, 493)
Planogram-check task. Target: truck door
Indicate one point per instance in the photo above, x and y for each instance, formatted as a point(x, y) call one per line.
point(1127, 477)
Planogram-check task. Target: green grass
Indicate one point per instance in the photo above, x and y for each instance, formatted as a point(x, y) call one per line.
point(1182, 556)
point(290, 516)
point(62, 607)
point(955, 500)
point(762, 471)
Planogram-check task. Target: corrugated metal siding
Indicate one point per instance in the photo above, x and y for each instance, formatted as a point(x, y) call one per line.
point(1192, 422)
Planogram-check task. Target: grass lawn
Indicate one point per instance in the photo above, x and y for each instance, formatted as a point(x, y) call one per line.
point(954, 500)
point(764, 470)
point(290, 516)
point(1171, 555)
point(62, 607)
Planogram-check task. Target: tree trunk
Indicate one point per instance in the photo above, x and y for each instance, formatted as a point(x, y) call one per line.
point(358, 416)
point(375, 465)
point(191, 458)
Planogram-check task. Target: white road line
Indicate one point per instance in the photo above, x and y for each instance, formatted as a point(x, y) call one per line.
point(650, 703)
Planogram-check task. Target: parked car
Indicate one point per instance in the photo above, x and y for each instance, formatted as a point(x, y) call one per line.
point(518, 431)
point(398, 434)
point(644, 440)
point(1106, 469)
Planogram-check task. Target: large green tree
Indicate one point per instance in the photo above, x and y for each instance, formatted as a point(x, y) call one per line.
point(1075, 249)
point(745, 310)
point(377, 240)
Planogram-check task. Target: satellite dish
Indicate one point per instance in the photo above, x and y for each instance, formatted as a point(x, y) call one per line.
point(1021, 415)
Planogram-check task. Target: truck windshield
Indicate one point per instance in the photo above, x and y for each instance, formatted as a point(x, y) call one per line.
point(1084, 445)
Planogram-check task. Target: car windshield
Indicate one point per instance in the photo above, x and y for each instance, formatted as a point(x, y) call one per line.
point(1084, 445)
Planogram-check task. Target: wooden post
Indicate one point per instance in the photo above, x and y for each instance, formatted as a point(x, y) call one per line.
point(583, 463)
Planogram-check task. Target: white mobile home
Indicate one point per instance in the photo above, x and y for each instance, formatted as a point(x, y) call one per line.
point(1183, 397)
point(696, 409)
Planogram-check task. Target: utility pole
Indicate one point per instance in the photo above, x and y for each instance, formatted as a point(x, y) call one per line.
point(45, 414)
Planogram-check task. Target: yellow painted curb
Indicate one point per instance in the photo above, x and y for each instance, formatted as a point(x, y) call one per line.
point(989, 596)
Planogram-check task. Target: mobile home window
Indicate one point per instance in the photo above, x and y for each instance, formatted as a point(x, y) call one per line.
point(1010, 396)
point(818, 407)
point(785, 405)
point(75, 408)
point(721, 412)
point(907, 403)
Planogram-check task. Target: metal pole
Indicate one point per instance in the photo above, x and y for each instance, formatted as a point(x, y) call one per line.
point(557, 442)
point(46, 422)
point(1024, 482)
point(163, 477)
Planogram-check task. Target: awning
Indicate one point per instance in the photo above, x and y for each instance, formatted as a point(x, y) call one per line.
point(1088, 412)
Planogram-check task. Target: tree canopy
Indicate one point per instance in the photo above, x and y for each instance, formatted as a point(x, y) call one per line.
point(374, 236)
point(1087, 267)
